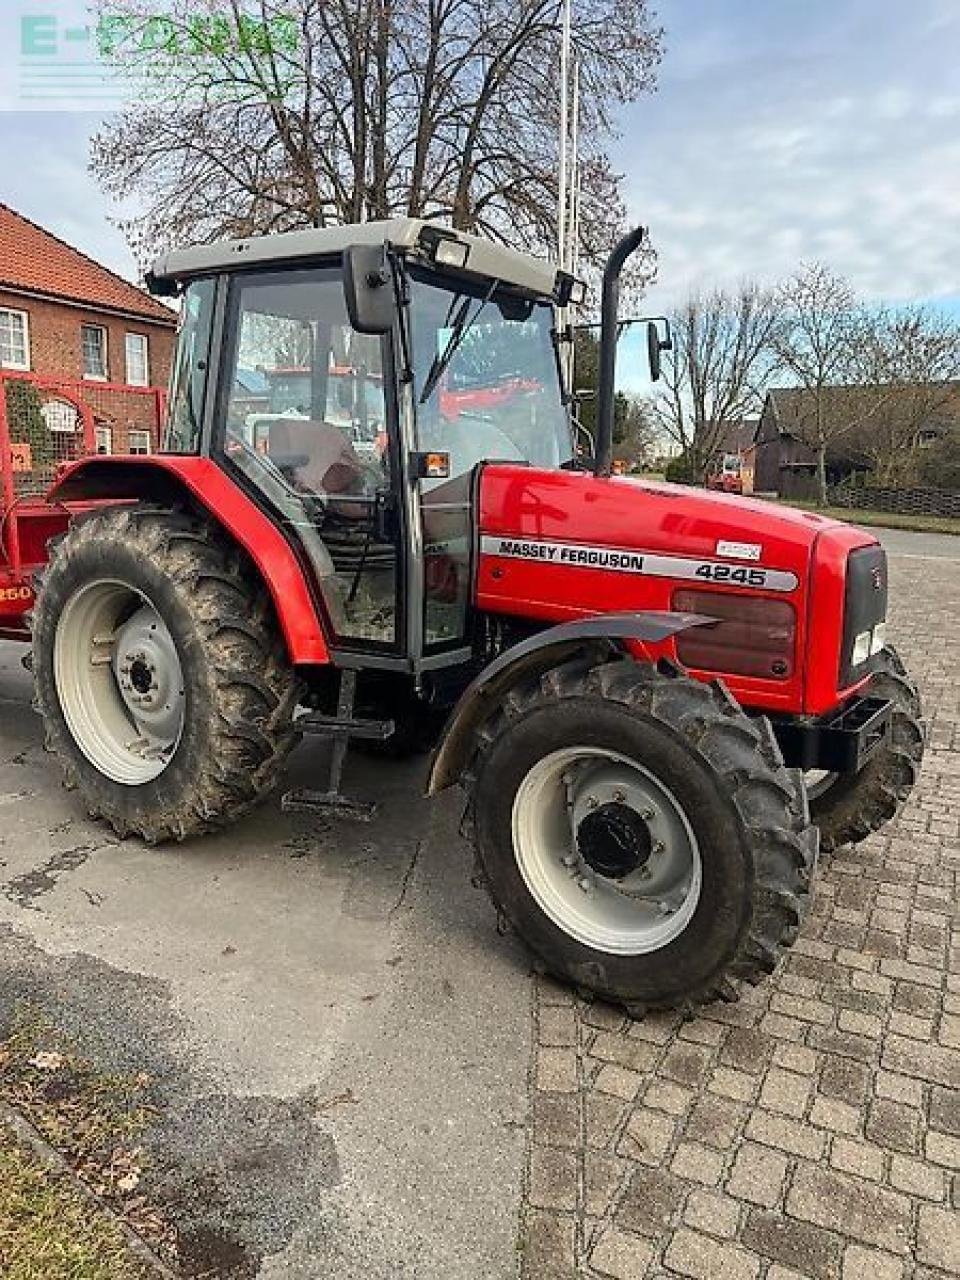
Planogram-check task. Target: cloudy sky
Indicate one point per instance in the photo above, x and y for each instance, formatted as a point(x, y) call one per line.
point(782, 130)
point(803, 129)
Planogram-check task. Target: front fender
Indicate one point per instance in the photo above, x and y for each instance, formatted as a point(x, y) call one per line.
point(170, 478)
point(602, 635)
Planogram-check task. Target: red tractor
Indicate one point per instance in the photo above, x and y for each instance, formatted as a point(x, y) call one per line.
point(656, 699)
point(725, 475)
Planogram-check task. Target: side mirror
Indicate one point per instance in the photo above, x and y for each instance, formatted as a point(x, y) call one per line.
point(653, 352)
point(368, 288)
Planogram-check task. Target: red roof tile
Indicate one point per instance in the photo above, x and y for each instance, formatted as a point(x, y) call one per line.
point(34, 261)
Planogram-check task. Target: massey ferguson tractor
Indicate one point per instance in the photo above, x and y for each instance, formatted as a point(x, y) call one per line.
point(657, 700)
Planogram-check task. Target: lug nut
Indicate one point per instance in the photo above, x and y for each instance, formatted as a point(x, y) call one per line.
point(592, 802)
point(657, 846)
point(569, 860)
point(585, 884)
point(619, 796)
point(646, 814)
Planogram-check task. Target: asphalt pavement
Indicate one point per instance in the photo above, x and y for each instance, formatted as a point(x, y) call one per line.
point(340, 1037)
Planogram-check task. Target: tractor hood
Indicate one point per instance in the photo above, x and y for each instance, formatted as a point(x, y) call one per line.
point(557, 545)
point(620, 513)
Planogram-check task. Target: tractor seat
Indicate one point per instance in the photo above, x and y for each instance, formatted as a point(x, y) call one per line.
point(316, 456)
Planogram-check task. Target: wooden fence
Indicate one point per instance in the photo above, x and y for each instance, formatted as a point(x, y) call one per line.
point(906, 502)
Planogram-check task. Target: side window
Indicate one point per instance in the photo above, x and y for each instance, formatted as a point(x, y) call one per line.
point(306, 391)
point(188, 378)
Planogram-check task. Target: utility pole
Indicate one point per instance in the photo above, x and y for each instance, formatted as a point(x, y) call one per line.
point(562, 182)
point(573, 259)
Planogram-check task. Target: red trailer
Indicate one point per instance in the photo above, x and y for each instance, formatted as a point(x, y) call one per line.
point(32, 454)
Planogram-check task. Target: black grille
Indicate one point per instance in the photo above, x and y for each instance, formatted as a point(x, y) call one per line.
point(865, 604)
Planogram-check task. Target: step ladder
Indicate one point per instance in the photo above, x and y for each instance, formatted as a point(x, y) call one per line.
point(339, 729)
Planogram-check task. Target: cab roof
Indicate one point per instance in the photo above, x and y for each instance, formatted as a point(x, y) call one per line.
point(485, 259)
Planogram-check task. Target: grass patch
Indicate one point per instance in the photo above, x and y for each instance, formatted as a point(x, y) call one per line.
point(93, 1119)
point(881, 519)
point(48, 1231)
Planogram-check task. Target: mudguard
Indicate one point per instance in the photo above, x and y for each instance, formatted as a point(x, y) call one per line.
point(602, 634)
point(172, 478)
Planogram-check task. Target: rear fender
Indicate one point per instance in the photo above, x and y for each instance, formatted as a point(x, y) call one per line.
point(603, 636)
point(171, 478)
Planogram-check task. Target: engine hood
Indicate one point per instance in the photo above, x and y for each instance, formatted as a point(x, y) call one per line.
point(556, 545)
point(622, 512)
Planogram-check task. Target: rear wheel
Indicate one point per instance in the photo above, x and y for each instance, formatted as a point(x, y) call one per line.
point(849, 807)
point(164, 688)
point(641, 833)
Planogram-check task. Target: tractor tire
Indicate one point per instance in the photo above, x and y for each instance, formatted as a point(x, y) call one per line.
point(849, 807)
point(564, 782)
point(160, 673)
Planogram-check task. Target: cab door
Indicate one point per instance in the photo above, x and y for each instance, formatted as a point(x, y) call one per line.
point(305, 421)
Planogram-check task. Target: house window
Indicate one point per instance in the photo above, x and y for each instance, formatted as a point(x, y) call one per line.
point(94, 343)
point(139, 442)
point(14, 340)
point(138, 374)
point(104, 440)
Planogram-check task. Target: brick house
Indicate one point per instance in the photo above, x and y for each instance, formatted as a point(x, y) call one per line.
point(64, 316)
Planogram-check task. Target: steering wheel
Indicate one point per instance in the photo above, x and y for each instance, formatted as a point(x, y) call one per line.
point(311, 502)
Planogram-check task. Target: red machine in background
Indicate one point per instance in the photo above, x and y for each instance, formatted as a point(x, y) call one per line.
point(725, 474)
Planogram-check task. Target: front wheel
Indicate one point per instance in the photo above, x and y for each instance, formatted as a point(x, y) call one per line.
point(849, 807)
point(641, 833)
point(160, 675)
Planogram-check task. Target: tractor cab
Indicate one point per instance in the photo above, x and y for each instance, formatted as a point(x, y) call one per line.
point(363, 375)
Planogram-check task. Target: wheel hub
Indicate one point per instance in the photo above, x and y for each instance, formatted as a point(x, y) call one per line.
point(148, 675)
point(141, 676)
point(614, 840)
point(606, 850)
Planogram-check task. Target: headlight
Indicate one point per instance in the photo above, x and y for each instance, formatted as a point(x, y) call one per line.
point(864, 611)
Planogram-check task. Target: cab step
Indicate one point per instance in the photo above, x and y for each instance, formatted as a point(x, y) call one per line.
point(339, 729)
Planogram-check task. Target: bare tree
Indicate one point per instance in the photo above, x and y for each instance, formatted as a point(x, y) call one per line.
point(817, 344)
point(718, 369)
point(360, 109)
point(907, 363)
point(635, 433)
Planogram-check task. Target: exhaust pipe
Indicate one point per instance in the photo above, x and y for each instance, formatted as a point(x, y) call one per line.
point(609, 315)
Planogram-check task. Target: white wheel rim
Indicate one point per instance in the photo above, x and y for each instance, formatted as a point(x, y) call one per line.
point(119, 682)
point(633, 911)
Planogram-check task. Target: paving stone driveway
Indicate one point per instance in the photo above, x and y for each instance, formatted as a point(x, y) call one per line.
point(814, 1128)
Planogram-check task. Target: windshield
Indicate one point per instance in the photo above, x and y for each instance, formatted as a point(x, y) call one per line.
point(486, 375)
